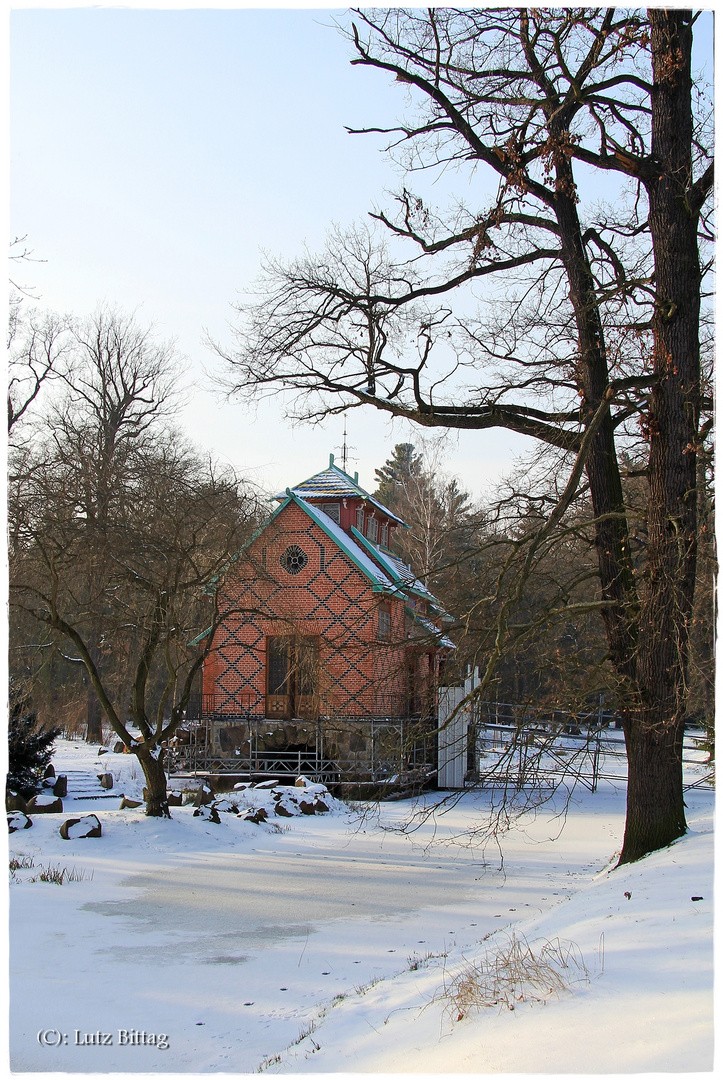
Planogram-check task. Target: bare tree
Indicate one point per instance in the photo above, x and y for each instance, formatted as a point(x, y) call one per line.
point(589, 335)
point(128, 599)
point(117, 532)
point(37, 343)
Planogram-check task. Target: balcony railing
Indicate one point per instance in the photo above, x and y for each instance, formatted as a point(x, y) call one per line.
point(368, 704)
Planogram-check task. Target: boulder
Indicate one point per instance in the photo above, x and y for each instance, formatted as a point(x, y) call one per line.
point(81, 828)
point(320, 806)
point(267, 784)
point(207, 813)
point(175, 798)
point(17, 820)
point(119, 748)
point(129, 804)
point(45, 804)
point(106, 780)
point(103, 750)
point(307, 807)
point(255, 814)
point(225, 806)
point(50, 771)
point(60, 787)
point(13, 801)
point(204, 796)
point(281, 810)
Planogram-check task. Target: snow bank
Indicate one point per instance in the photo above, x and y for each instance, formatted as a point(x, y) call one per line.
point(328, 943)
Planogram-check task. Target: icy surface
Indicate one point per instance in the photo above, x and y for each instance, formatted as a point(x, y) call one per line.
point(325, 943)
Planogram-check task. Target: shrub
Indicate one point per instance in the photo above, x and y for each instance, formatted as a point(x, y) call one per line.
point(30, 748)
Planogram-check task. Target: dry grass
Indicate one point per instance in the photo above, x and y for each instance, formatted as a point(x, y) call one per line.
point(55, 875)
point(515, 972)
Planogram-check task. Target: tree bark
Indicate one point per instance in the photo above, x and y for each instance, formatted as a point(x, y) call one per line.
point(155, 777)
point(654, 734)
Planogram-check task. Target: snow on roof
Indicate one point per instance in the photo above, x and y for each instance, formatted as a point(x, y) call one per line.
point(434, 631)
point(399, 571)
point(334, 483)
point(356, 553)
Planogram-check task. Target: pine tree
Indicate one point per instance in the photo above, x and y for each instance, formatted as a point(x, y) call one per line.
point(404, 463)
point(29, 747)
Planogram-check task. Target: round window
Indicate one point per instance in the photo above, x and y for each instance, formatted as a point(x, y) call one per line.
point(294, 559)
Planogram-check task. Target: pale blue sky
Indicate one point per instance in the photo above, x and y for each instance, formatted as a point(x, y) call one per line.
point(154, 153)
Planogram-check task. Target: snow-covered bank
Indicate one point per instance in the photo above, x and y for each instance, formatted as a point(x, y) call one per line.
point(323, 944)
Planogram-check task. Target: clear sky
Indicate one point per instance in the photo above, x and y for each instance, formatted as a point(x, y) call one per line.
point(156, 153)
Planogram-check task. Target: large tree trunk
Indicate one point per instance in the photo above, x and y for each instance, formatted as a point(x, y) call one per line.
point(654, 734)
point(155, 777)
point(655, 814)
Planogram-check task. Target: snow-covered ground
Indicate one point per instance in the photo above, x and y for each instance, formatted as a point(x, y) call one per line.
point(334, 943)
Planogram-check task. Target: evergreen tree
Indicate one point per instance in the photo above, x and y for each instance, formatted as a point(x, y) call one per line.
point(29, 747)
point(396, 471)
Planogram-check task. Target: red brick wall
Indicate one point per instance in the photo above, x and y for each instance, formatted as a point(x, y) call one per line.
point(359, 674)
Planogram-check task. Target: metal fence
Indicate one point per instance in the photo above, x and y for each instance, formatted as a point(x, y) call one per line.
point(389, 749)
point(538, 753)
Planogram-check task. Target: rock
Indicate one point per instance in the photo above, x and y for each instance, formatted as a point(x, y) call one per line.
point(104, 750)
point(81, 828)
point(320, 806)
point(282, 810)
point(50, 771)
point(255, 814)
point(17, 820)
point(13, 801)
point(267, 784)
point(175, 798)
point(242, 786)
point(225, 806)
point(60, 787)
point(106, 780)
point(208, 813)
point(119, 748)
point(204, 796)
point(45, 804)
point(307, 807)
point(301, 781)
point(129, 804)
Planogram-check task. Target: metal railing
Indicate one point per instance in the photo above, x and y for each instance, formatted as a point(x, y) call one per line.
point(368, 704)
point(542, 754)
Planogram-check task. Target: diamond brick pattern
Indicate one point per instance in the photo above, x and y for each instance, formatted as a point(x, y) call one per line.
point(359, 674)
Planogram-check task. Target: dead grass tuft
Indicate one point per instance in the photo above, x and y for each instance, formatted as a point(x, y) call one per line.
point(515, 972)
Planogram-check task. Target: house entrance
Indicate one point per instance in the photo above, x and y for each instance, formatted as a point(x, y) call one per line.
point(292, 665)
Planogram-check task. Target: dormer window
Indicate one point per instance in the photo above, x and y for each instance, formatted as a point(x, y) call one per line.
point(331, 510)
point(360, 519)
point(385, 535)
point(372, 529)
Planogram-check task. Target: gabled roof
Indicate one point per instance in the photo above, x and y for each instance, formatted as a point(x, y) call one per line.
point(356, 553)
point(334, 483)
point(398, 570)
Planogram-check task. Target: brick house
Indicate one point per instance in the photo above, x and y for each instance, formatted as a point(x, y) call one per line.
point(327, 660)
